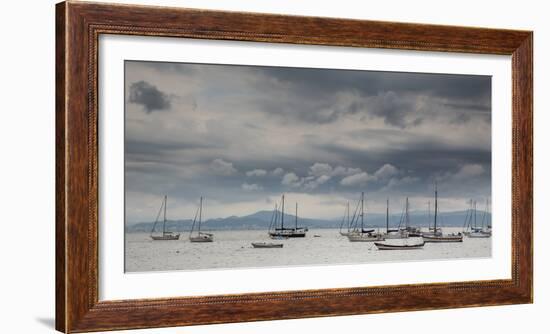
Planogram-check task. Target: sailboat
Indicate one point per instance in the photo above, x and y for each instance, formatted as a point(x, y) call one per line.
point(166, 235)
point(199, 236)
point(479, 232)
point(399, 239)
point(402, 245)
point(431, 230)
point(412, 231)
point(269, 244)
point(467, 226)
point(360, 234)
point(438, 235)
point(400, 232)
point(287, 232)
point(345, 220)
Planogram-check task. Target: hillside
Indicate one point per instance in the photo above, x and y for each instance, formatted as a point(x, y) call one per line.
point(261, 219)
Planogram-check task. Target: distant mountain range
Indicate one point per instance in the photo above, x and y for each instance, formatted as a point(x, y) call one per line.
point(261, 219)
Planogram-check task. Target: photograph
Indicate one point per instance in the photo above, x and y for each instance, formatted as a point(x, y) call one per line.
point(237, 166)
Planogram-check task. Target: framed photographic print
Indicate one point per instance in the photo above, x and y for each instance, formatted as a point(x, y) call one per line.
point(220, 167)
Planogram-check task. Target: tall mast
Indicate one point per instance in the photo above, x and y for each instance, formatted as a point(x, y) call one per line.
point(435, 212)
point(471, 209)
point(200, 215)
point(296, 216)
point(429, 212)
point(407, 213)
point(387, 215)
point(348, 218)
point(475, 215)
point(283, 214)
point(164, 220)
point(362, 209)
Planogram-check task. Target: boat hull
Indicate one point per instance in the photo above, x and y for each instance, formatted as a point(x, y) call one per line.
point(202, 238)
point(385, 246)
point(166, 237)
point(479, 235)
point(443, 238)
point(287, 235)
point(364, 238)
point(266, 245)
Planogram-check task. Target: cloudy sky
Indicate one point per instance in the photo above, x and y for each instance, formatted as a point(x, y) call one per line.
point(242, 135)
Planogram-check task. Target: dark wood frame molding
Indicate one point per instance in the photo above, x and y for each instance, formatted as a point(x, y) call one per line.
point(78, 26)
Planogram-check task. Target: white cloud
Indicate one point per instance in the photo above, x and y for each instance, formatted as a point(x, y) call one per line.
point(343, 171)
point(468, 171)
point(278, 171)
point(291, 179)
point(256, 172)
point(318, 169)
point(386, 172)
point(251, 187)
point(355, 180)
point(222, 167)
point(317, 182)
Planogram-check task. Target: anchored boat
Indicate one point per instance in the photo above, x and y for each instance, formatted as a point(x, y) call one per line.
point(267, 245)
point(401, 232)
point(199, 236)
point(270, 244)
point(406, 244)
point(473, 231)
point(166, 235)
point(345, 220)
point(437, 235)
point(286, 232)
point(359, 234)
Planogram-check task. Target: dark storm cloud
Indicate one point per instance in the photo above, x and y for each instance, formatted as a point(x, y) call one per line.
point(388, 95)
point(144, 147)
point(149, 96)
point(317, 82)
point(240, 135)
point(166, 67)
point(425, 159)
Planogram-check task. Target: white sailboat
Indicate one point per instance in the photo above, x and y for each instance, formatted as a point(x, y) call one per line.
point(359, 234)
point(270, 244)
point(479, 232)
point(199, 236)
point(438, 235)
point(402, 231)
point(166, 235)
point(401, 244)
point(345, 220)
point(399, 239)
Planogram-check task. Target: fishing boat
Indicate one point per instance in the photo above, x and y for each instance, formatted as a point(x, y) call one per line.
point(437, 235)
point(166, 235)
point(199, 236)
point(286, 232)
point(267, 245)
point(405, 244)
point(359, 233)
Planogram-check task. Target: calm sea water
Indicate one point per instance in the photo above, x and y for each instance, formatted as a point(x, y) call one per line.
point(233, 249)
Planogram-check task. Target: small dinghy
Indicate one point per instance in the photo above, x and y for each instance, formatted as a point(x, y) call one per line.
point(267, 245)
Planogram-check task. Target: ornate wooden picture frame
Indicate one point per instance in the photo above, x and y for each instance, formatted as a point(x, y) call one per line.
point(78, 27)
